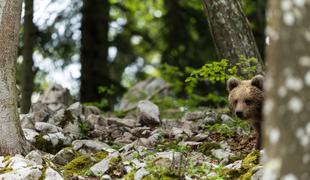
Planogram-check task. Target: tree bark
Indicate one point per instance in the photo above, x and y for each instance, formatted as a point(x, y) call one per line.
point(12, 140)
point(94, 49)
point(287, 128)
point(28, 72)
point(231, 32)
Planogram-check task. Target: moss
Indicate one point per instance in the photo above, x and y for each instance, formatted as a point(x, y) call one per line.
point(206, 147)
point(43, 172)
point(5, 170)
point(130, 176)
point(247, 167)
point(47, 146)
point(100, 155)
point(250, 160)
point(161, 168)
point(78, 165)
point(6, 158)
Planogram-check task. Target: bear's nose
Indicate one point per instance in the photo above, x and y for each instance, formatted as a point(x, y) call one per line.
point(239, 114)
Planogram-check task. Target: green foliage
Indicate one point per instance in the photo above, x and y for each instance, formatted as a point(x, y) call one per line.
point(106, 93)
point(84, 130)
point(229, 129)
point(222, 129)
point(172, 75)
point(220, 71)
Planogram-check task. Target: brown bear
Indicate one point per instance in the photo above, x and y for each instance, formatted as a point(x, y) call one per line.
point(246, 100)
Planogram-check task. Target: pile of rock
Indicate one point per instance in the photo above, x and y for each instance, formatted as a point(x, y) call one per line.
point(77, 141)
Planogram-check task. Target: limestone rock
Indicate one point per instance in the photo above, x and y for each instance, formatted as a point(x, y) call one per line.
point(64, 156)
point(51, 174)
point(56, 94)
point(45, 128)
point(148, 113)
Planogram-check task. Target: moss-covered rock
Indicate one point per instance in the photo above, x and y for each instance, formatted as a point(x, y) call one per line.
point(79, 165)
point(206, 147)
point(247, 168)
point(100, 155)
point(47, 146)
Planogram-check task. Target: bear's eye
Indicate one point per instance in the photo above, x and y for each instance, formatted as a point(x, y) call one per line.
point(248, 101)
point(235, 101)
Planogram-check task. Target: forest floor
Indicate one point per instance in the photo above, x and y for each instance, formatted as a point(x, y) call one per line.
point(75, 141)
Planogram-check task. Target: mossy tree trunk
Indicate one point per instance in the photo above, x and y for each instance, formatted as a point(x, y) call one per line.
point(12, 140)
point(287, 106)
point(28, 71)
point(231, 31)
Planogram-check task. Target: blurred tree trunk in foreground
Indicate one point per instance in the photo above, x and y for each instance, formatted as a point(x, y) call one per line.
point(12, 140)
point(28, 72)
point(231, 31)
point(94, 49)
point(287, 107)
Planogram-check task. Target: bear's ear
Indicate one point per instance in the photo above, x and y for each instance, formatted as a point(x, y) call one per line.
point(258, 81)
point(232, 83)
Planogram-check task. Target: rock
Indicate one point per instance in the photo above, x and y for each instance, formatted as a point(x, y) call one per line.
point(51, 174)
point(125, 139)
point(141, 173)
point(90, 146)
point(45, 128)
point(192, 116)
point(141, 90)
point(56, 94)
point(141, 131)
point(257, 173)
point(122, 122)
point(20, 168)
point(40, 112)
point(35, 156)
point(26, 121)
point(30, 134)
point(221, 154)
point(94, 120)
point(82, 112)
point(225, 118)
point(189, 143)
point(105, 177)
point(56, 138)
point(61, 118)
point(72, 129)
point(148, 113)
point(90, 110)
point(64, 156)
point(27, 173)
point(234, 165)
point(101, 167)
point(76, 109)
point(169, 155)
point(199, 137)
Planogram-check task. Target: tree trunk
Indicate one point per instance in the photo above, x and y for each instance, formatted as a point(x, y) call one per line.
point(231, 32)
point(287, 128)
point(12, 140)
point(94, 49)
point(28, 72)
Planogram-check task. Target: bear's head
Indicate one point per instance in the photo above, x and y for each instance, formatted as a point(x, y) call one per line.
point(246, 97)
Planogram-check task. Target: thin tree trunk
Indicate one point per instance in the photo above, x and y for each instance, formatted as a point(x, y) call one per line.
point(12, 140)
point(28, 72)
point(231, 32)
point(287, 107)
point(94, 49)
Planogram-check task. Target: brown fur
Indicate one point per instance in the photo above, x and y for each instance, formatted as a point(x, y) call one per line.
point(246, 99)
